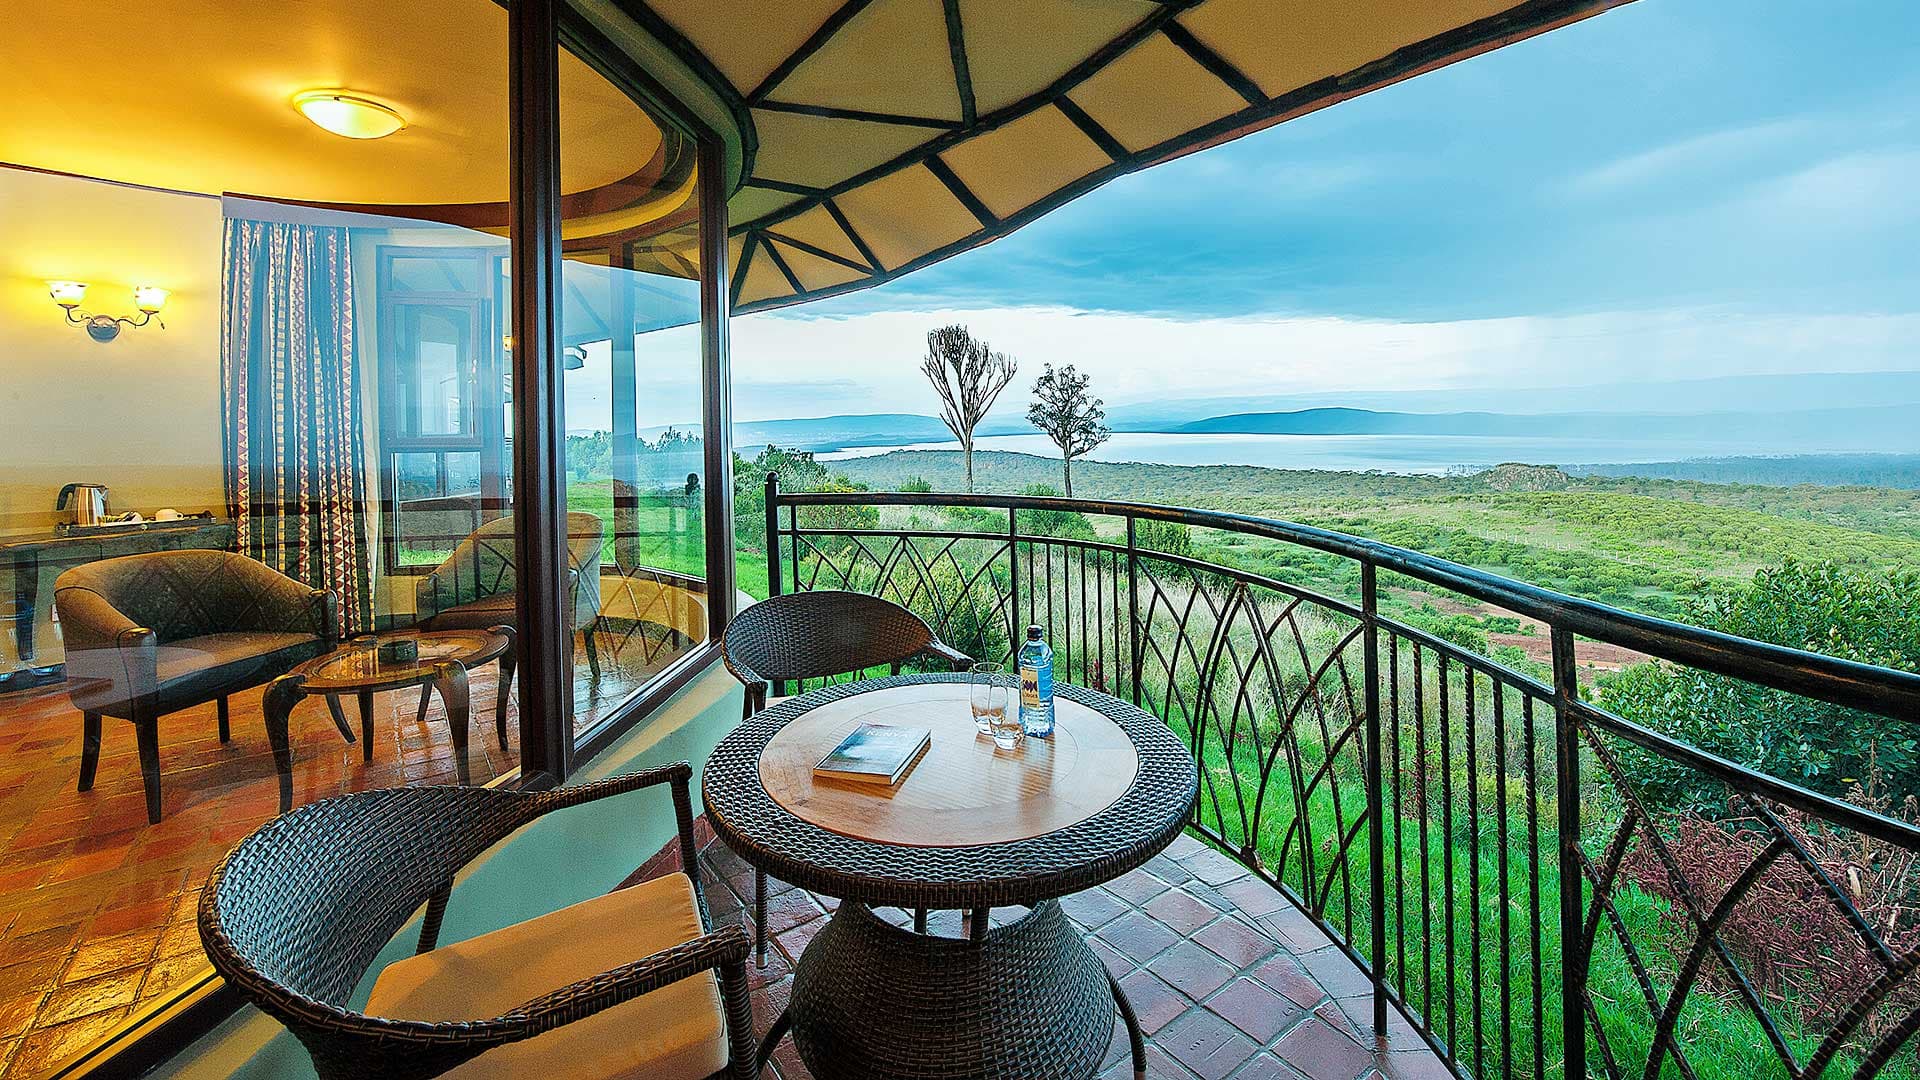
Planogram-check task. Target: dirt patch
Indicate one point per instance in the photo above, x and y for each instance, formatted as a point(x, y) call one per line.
point(1597, 655)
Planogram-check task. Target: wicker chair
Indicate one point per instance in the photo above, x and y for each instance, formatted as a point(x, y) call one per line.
point(814, 635)
point(299, 911)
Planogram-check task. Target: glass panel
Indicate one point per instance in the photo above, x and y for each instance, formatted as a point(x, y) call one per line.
point(321, 413)
point(632, 387)
point(437, 504)
point(434, 275)
point(435, 368)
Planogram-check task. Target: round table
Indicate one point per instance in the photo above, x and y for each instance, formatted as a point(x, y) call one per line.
point(441, 664)
point(969, 827)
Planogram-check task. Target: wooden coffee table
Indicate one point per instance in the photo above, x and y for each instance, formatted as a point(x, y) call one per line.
point(356, 668)
point(971, 828)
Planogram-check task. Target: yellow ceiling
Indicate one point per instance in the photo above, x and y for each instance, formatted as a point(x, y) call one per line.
point(194, 95)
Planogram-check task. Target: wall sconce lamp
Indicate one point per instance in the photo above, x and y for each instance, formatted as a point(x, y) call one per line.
point(147, 299)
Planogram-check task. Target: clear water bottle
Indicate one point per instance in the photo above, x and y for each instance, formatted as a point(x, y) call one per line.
point(1036, 685)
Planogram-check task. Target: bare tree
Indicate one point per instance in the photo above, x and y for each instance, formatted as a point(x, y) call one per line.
point(968, 376)
point(1062, 408)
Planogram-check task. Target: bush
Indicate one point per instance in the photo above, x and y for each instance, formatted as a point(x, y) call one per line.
point(916, 485)
point(1461, 630)
point(1870, 617)
point(1171, 537)
point(1066, 523)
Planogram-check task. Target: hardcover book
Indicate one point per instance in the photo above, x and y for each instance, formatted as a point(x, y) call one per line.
point(875, 754)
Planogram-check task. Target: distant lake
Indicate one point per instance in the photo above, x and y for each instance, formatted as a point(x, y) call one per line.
point(1430, 454)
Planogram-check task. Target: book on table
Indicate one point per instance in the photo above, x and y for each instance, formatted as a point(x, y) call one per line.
point(875, 754)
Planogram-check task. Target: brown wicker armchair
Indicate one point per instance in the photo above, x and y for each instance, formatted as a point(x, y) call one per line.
point(162, 631)
point(299, 911)
point(814, 635)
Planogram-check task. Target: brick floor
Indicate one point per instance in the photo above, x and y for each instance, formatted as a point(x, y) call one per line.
point(97, 907)
point(1221, 993)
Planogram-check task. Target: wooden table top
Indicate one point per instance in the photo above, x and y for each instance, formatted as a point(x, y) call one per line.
point(1100, 844)
point(963, 791)
point(357, 664)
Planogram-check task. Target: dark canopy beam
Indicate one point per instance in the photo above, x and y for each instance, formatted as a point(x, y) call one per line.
point(815, 42)
point(962, 76)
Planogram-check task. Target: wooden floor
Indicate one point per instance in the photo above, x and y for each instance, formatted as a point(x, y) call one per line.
point(97, 906)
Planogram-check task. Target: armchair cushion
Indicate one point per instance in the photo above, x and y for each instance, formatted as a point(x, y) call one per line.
point(677, 1032)
point(490, 611)
point(195, 669)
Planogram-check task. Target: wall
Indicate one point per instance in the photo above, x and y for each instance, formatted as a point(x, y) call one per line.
point(140, 414)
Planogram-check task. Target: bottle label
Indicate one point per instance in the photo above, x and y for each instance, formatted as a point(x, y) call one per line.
point(1036, 685)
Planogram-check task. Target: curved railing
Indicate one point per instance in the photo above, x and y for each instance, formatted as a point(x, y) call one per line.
point(1420, 803)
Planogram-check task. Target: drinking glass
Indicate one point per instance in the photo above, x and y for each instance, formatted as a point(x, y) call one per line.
point(988, 693)
point(1007, 730)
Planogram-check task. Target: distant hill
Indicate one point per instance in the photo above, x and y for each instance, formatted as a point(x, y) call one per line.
point(1881, 428)
point(1735, 393)
point(1825, 470)
point(836, 432)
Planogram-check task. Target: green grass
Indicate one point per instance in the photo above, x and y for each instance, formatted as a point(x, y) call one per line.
point(1639, 544)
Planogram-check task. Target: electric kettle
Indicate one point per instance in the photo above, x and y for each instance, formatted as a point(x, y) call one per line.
point(89, 503)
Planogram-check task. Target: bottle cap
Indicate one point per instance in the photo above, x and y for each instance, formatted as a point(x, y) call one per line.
point(1033, 632)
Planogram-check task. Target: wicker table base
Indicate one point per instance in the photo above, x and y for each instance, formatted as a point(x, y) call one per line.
point(1029, 1002)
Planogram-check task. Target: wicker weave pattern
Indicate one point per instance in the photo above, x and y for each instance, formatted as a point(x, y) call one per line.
point(1031, 1000)
point(297, 913)
point(812, 635)
point(1024, 872)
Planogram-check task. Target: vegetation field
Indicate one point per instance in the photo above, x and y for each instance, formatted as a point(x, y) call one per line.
point(1642, 544)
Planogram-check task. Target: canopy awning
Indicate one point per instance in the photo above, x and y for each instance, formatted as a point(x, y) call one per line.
point(884, 135)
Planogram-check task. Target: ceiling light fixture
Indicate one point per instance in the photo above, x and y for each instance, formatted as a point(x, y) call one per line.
point(349, 115)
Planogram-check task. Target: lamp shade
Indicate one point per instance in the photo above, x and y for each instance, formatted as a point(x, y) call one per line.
point(149, 298)
point(67, 293)
point(349, 115)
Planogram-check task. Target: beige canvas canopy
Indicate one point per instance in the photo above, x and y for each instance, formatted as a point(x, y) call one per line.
point(883, 135)
point(866, 138)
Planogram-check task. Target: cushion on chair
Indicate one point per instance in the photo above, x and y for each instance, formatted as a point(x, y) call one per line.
point(491, 611)
point(677, 1032)
point(196, 669)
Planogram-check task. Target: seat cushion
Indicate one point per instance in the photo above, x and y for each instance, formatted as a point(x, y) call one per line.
point(196, 669)
point(489, 611)
point(677, 1032)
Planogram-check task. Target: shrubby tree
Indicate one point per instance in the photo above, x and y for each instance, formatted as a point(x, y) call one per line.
point(1066, 523)
point(1872, 617)
point(798, 471)
point(1073, 419)
point(968, 376)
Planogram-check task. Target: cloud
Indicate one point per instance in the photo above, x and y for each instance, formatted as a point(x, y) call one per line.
point(1729, 149)
point(1138, 358)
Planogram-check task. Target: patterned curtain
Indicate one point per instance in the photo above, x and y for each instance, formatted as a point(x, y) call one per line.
point(290, 394)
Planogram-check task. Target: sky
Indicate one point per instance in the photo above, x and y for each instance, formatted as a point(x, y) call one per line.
point(1675, 189)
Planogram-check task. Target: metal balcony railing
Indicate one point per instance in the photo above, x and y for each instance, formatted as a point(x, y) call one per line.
point(1421, 803)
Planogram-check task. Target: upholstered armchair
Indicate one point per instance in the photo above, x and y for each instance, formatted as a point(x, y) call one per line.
point(473, 589)
point(151, 634)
